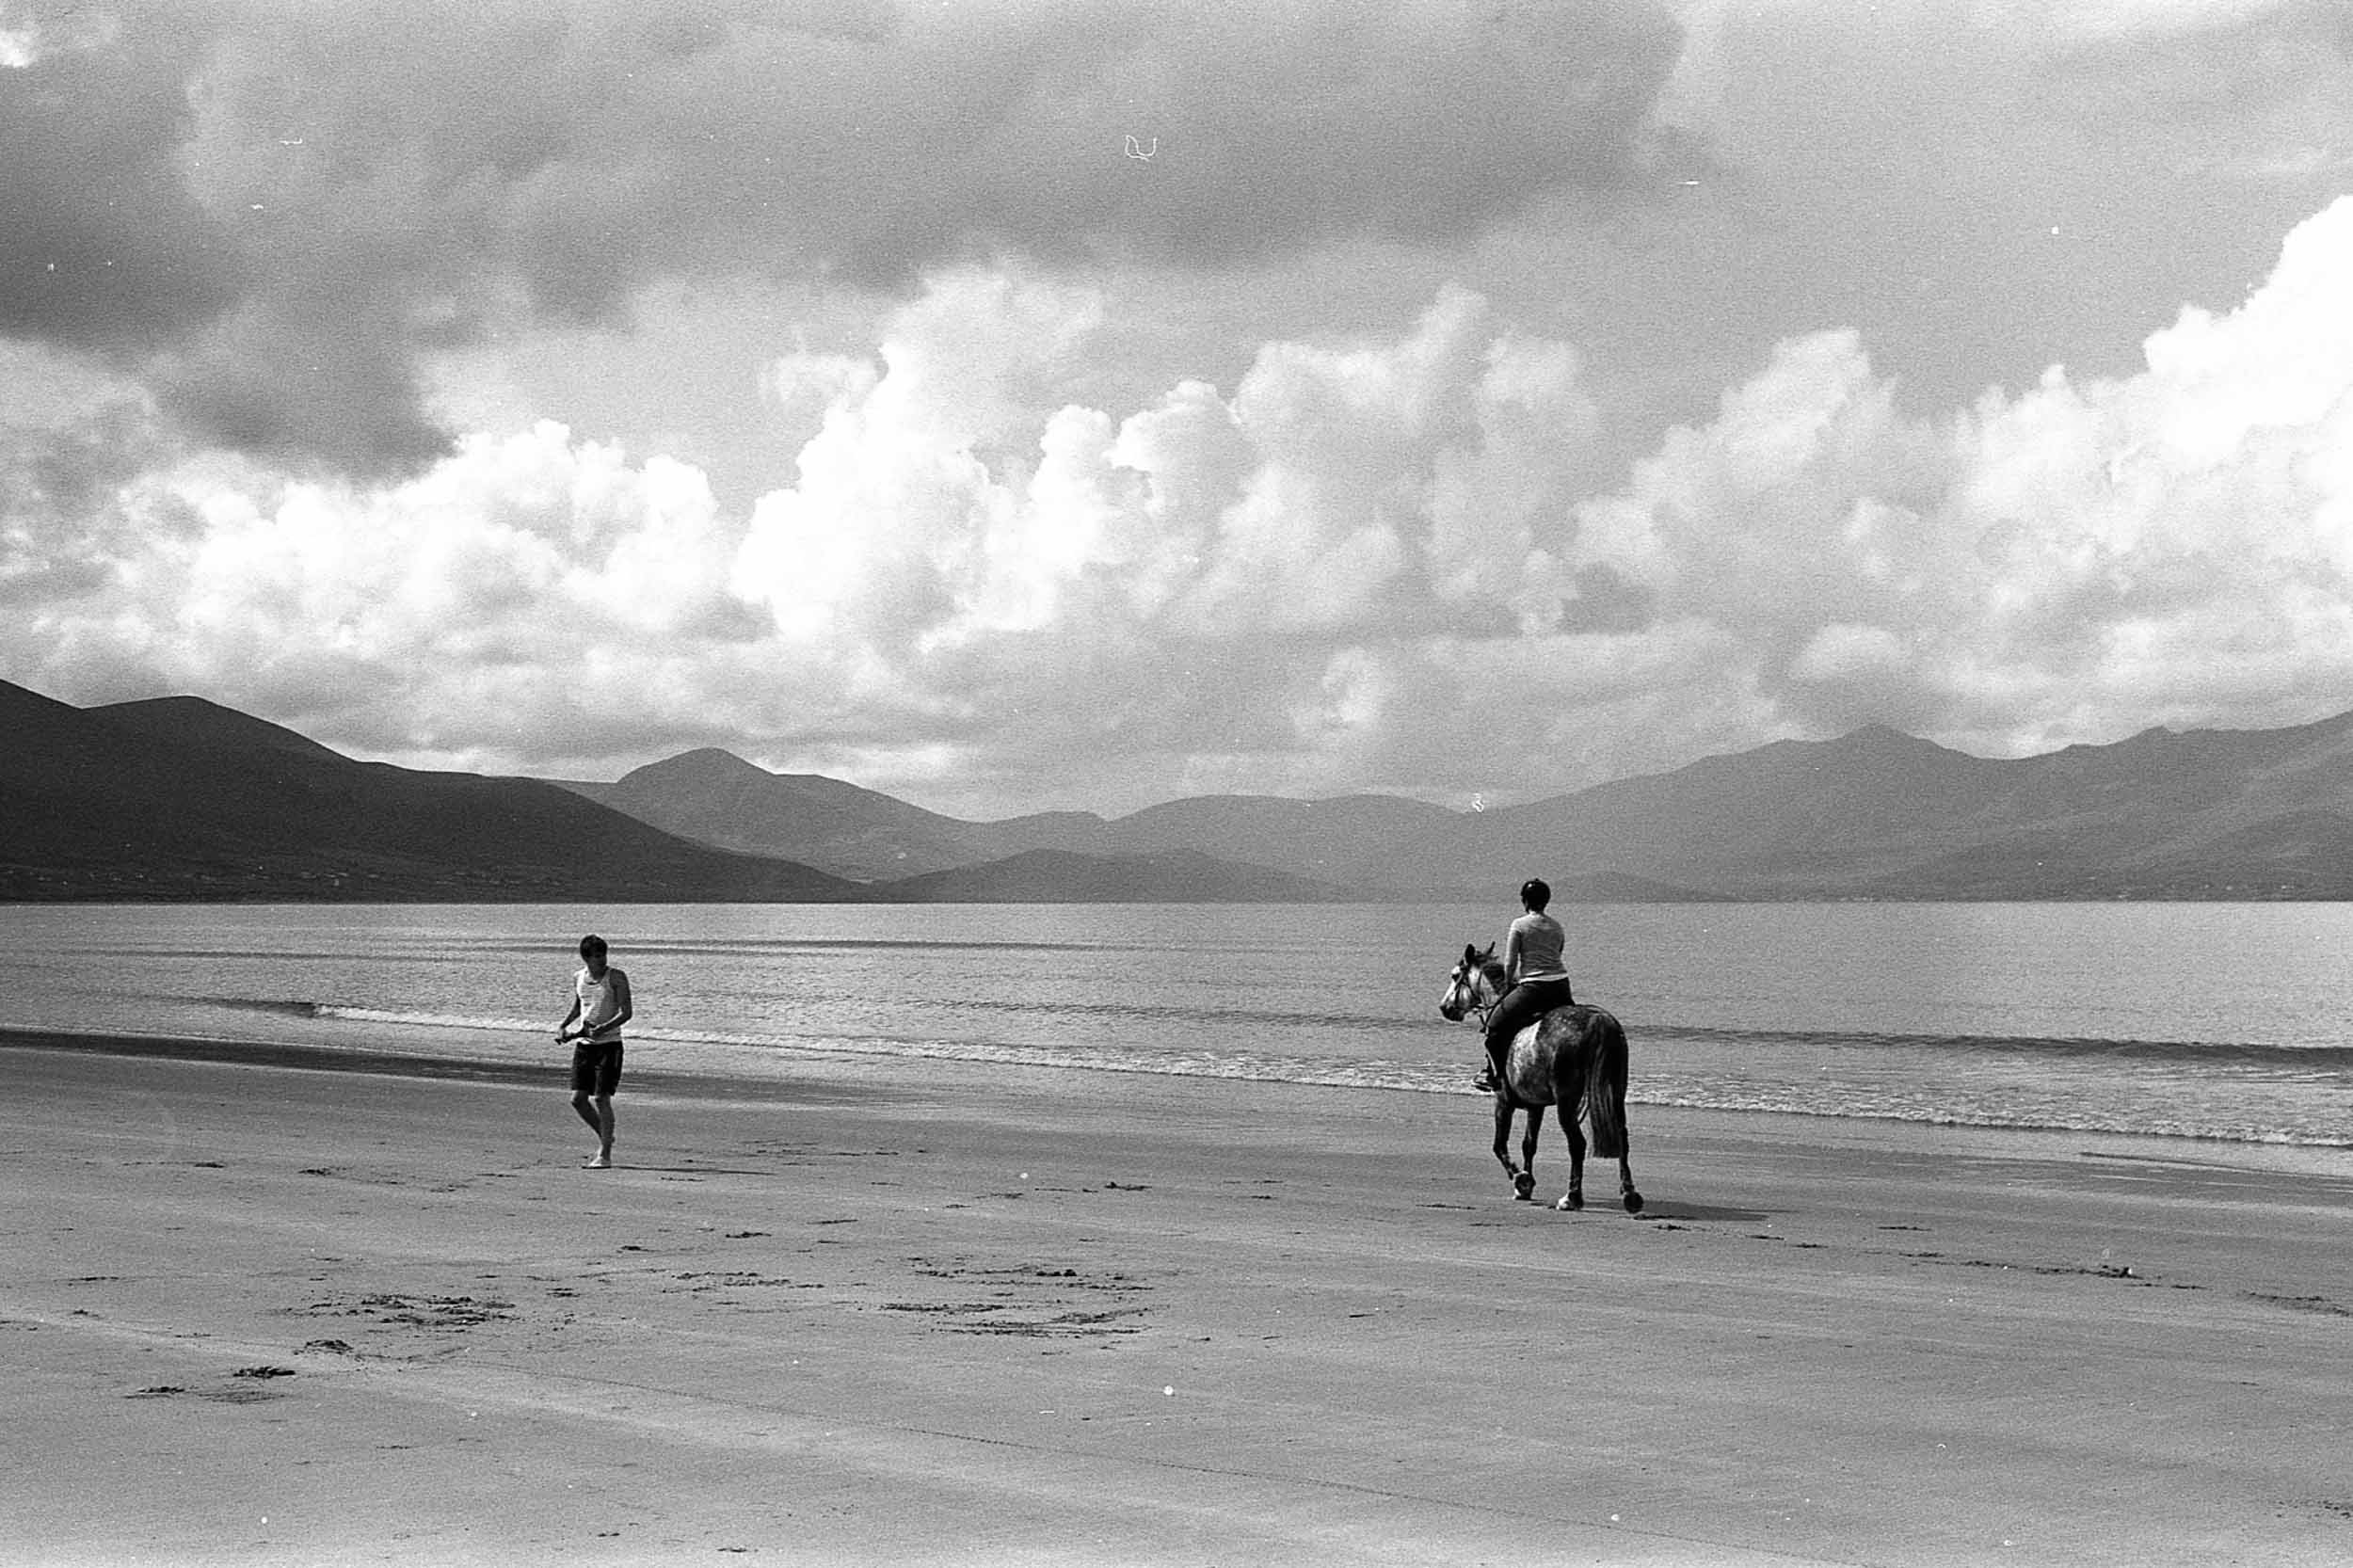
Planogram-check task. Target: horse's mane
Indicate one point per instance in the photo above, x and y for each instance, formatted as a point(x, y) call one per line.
point(1493, 969)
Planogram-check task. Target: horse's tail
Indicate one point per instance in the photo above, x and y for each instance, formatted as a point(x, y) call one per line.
point(1605, 1088)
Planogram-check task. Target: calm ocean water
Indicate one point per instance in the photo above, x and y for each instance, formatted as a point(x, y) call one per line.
point(2201, 1020)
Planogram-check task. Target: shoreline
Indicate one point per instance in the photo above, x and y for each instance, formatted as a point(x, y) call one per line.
point(826, 1073)
point(914, 1313)
point(295, 1056)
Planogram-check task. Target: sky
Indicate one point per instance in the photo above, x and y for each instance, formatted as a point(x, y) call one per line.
point(1025, 404)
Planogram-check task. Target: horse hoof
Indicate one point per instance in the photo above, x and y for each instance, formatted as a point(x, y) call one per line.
point(1633, 1202)
point(1570, 1202)
point(1524, 1185)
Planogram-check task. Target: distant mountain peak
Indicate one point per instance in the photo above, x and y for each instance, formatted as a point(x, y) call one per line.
point(702, 763)
point(199, 721)
point(1883, 736)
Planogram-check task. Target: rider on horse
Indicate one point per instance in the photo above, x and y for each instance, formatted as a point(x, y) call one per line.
point(1535, 981)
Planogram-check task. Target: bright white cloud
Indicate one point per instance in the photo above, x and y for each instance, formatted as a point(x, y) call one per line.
point(2069, 563)
point(27, 37)
point(1383, 564)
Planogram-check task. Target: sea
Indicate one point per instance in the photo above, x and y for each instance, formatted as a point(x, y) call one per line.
point(2216, 1023)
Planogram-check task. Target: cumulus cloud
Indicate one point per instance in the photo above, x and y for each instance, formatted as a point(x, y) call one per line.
point(1388, 563)
point(2071, 562)
point(272, 211)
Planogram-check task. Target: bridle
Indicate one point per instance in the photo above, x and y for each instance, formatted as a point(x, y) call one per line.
point(1462, 984)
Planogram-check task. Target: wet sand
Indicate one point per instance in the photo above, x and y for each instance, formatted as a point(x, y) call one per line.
point(257, 1312)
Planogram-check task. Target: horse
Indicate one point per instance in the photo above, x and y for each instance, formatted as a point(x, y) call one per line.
point(1571, 1054)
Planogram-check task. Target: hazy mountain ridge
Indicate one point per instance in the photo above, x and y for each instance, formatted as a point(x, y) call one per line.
point(1871, 814)
point(1340, 840)
point(1066, 876)
point(1877, 814)
point(717, 798)
point(182, 798)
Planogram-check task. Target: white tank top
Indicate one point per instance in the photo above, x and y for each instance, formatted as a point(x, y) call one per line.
point(597, 1006)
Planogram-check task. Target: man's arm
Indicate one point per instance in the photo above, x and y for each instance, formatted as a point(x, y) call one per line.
point(560, 1036)
point(628, 1009)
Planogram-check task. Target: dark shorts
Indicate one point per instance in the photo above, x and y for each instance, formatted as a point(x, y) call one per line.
point(595, 1067)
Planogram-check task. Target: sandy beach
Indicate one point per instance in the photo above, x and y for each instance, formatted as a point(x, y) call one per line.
point(259, 1312)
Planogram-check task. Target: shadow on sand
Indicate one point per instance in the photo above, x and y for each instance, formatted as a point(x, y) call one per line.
point(1672, 1210)
point(688, 1170)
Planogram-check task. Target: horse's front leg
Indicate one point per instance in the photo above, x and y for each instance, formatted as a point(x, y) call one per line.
point(1503, 1139)
point(1575, 1197)
point(1525, 1183)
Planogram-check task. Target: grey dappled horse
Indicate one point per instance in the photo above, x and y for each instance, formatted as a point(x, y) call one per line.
point(1572, 1055)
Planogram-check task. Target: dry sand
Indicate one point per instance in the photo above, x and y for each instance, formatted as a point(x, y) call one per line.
point(917, 1314)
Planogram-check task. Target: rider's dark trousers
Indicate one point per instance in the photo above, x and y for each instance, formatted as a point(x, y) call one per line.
point(1522, 1005)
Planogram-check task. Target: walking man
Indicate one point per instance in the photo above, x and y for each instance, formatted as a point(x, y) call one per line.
point(600, 1004)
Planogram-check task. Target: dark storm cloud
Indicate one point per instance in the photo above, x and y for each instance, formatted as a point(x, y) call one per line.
point(102, 245)
point(273, 210)
point(1202, 135)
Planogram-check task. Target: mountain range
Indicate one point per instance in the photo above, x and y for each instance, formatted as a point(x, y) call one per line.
point(178, 798)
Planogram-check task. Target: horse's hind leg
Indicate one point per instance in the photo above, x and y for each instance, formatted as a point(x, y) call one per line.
point(1626, 1169)
point(1575, 1197)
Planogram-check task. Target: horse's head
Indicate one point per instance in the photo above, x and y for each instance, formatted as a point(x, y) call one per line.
point(1469, 984)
